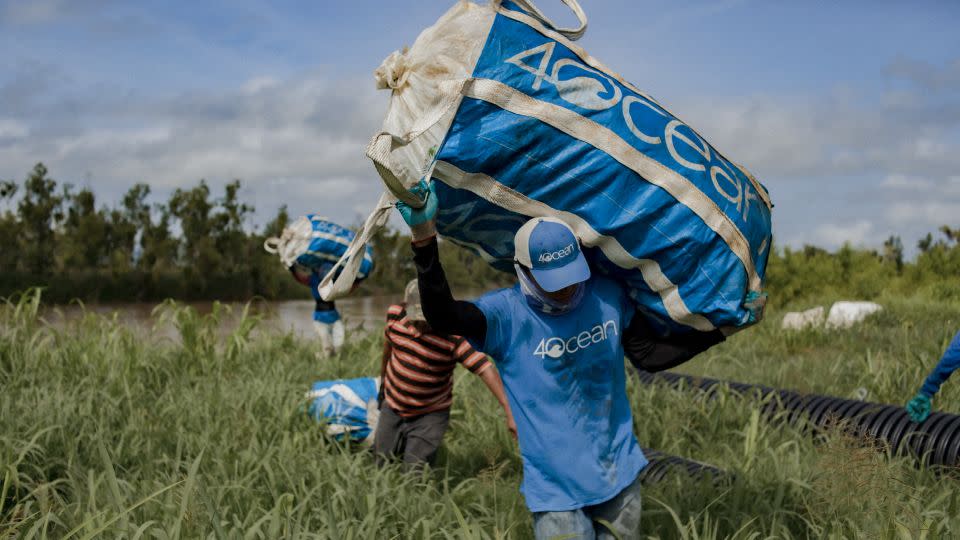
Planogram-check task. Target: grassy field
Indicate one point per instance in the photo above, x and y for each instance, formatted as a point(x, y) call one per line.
point(105, 433)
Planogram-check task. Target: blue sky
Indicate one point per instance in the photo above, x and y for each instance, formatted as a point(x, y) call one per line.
point(848, 111)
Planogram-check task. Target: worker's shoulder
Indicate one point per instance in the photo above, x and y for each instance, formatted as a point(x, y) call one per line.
point(505, 292)
point(497, 297)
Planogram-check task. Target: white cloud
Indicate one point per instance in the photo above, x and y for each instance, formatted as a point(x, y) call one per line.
point(786, 137)
point(925, 75)
point(902, 181)
point(841, 132)
point(258, 84)
point(298, 141)
point(43, 11)
point(952, 186)
point(832, 235)
point(12, 129)
point(34, 11)
point(845, 166)
point(682, 13)
point(926, 148)
point(930, 213)
point(97, 141)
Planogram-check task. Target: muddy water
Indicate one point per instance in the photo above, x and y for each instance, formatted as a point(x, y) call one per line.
point(360, 314)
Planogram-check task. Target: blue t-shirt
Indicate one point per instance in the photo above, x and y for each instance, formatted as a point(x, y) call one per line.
point(565, 379)
point(947, 365)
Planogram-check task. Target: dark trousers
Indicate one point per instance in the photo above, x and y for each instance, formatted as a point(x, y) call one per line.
point(414, 441)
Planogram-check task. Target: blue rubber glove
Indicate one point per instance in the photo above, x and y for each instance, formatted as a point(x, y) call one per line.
point(755, 302)
point(919, 408)
point(422, 221)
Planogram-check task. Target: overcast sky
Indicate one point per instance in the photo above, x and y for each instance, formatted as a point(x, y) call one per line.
point(848, 111)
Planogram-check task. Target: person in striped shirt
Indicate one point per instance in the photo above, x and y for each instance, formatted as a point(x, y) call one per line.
point(416, 389)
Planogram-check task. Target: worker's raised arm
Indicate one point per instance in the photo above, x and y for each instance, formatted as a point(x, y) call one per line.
point(919, 406)
point(947, 365)
point(443, 313)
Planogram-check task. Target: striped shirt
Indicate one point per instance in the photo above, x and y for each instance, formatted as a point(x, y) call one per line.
point(419, 375)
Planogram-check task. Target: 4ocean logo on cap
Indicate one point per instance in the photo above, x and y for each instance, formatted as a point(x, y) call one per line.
point(549, 256)
point(556, 347)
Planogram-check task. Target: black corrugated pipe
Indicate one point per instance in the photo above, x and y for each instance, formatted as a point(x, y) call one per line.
point(936, 441)
point(660, 464)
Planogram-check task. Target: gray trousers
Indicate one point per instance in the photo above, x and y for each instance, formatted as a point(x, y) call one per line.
point(618, 518)
point(414, 441)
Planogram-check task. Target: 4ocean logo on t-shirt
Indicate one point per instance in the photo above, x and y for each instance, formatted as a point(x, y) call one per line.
point(555, 347)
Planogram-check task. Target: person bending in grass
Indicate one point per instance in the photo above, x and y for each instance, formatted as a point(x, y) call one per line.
point(919, 406)
point(326, 318)
point(558, 338)
point(416, 389)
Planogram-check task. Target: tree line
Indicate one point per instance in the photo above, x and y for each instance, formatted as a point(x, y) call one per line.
point(811, 273)
point(197, 245)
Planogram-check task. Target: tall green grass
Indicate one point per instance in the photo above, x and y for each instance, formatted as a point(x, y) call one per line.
point(105, 433)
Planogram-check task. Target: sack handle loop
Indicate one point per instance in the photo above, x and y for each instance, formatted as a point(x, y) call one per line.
point(572, 34)
point(384, 143)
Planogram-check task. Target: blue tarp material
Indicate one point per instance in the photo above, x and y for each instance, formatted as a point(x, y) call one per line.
point(531, 125)
point(347, 406)
point(328, 243)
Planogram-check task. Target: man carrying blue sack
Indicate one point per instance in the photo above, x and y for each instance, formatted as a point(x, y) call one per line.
point(919, 406)
point(558, 337)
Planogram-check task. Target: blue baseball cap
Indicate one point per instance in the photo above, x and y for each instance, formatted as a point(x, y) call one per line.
point(548, 247)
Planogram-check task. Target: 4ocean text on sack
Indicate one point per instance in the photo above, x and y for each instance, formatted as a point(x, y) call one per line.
point(585, 92)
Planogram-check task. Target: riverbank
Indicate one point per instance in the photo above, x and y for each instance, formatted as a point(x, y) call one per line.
point(152, 320)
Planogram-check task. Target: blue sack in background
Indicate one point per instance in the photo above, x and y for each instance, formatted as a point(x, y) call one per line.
point(347, 406)
point(513, 120)
point(318, 244)
point(328, 243)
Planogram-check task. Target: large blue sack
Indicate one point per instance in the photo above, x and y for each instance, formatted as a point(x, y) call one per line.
point(513, 120)
point(317, 243)
point(348, 407)
point(328, 243)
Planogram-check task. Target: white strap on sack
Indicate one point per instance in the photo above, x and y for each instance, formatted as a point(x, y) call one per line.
point(569, 33)
point(271, 245)
point(379, 152)
point(293, 240)
point(394, 72)
point(332, 289)
point(383, 143)
point(282, 246)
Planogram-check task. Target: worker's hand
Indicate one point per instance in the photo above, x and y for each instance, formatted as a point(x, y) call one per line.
point(755, 303)
point(511, 425)
point(919, 407)
point(422, 221)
